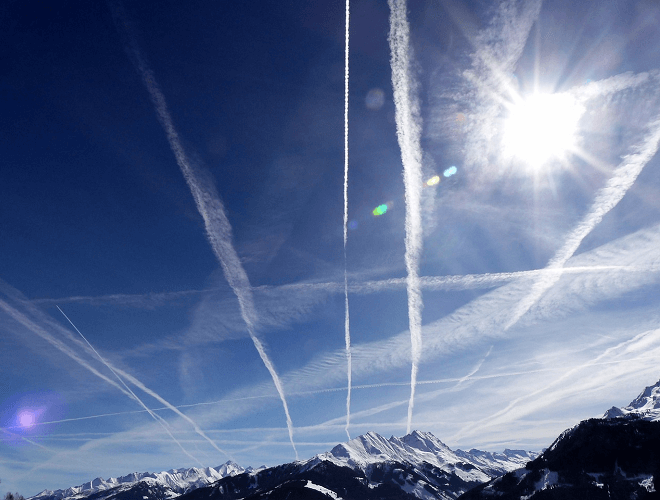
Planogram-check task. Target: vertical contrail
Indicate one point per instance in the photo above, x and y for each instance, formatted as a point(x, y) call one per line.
point(154, 416)
point(606, 199)
point(408, 133)
point(210, 207)
point(347, 323)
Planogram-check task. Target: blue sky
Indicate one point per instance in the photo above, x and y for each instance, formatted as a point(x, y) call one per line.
point(173, 181)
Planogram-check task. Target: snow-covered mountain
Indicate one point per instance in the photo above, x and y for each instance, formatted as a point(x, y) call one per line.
point(614, 457)
point(423, 447)
point(170, 483)
point(370, 467)
point(645, 406)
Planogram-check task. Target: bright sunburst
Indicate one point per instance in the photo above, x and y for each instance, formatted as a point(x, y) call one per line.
point(541, 127)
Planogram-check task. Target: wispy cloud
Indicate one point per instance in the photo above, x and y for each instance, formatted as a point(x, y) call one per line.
point(209, 205)
point(607, 198)
point(569, 383)
point(488, 83)
point(409, 129)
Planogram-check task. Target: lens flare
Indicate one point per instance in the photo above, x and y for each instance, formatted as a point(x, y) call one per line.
point(26, 419)
point(450, 171)
point(375, 99)
point(353, 224)
point(380, 209)
point(433, 180)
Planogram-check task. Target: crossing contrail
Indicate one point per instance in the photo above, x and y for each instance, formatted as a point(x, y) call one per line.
point(347, 323)
point(153, 415)
point(58, 344)
point(408, 133)
point(210, 207)
point(431, 283)
point(606, 199)
point(36, 328)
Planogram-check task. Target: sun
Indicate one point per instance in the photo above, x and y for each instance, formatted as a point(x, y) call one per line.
point(540, 128)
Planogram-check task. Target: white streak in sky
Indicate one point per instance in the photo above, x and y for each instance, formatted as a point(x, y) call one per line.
point(33, 327)
point(408, 133)
point(640, 342)
point(153, 415)
point(431, 283)
point(613, 84)
point(58, 344)
point(347, 323)
point(606, 199)
point(210, 207)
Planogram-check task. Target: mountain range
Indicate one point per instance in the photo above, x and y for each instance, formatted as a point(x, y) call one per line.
point(616, 456)
point(613, 457)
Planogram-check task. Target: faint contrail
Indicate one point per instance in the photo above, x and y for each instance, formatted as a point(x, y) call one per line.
point(146, 301)
point(565, 374)
point(435, 283)
point(41, 332)
point(606, 198)
point(470, 375)
point(408, 133)
point(210, 207)
point(347, 323)
point(153, 415)
point(38, 330)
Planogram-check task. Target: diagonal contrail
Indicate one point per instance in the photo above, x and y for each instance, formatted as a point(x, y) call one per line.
point(210, 207)
point(34, 327)
point(347, 323)
point(408, 133)
point(153, 415)
point(58, 344)
point(606, 199)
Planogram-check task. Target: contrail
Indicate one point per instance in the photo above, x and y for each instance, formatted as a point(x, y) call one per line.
point(347, 323)
point(431, 283)
point(38, 330)
point(458, 380)
point(41, 332)
point(565, 374)
point(145, 301)
point(606, 199)
point(153, 415)
point(210, 207)
point(408, 134)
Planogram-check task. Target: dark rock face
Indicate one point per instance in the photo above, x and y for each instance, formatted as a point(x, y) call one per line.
point(381, 481)
point(608, 459)
point(137, 492)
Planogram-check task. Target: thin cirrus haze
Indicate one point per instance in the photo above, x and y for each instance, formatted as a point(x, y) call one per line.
point(203, 189)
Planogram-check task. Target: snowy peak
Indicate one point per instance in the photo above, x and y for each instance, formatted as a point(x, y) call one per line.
point(176, 480)
point(646, 406)
point(365, 449)
point(412, 448)
point(424, 441)
point(418, 448)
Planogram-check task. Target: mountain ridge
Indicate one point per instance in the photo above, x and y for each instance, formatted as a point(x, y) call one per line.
point(645, 406)
point(612, 456)
point(616, 456)
point(431, 469)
